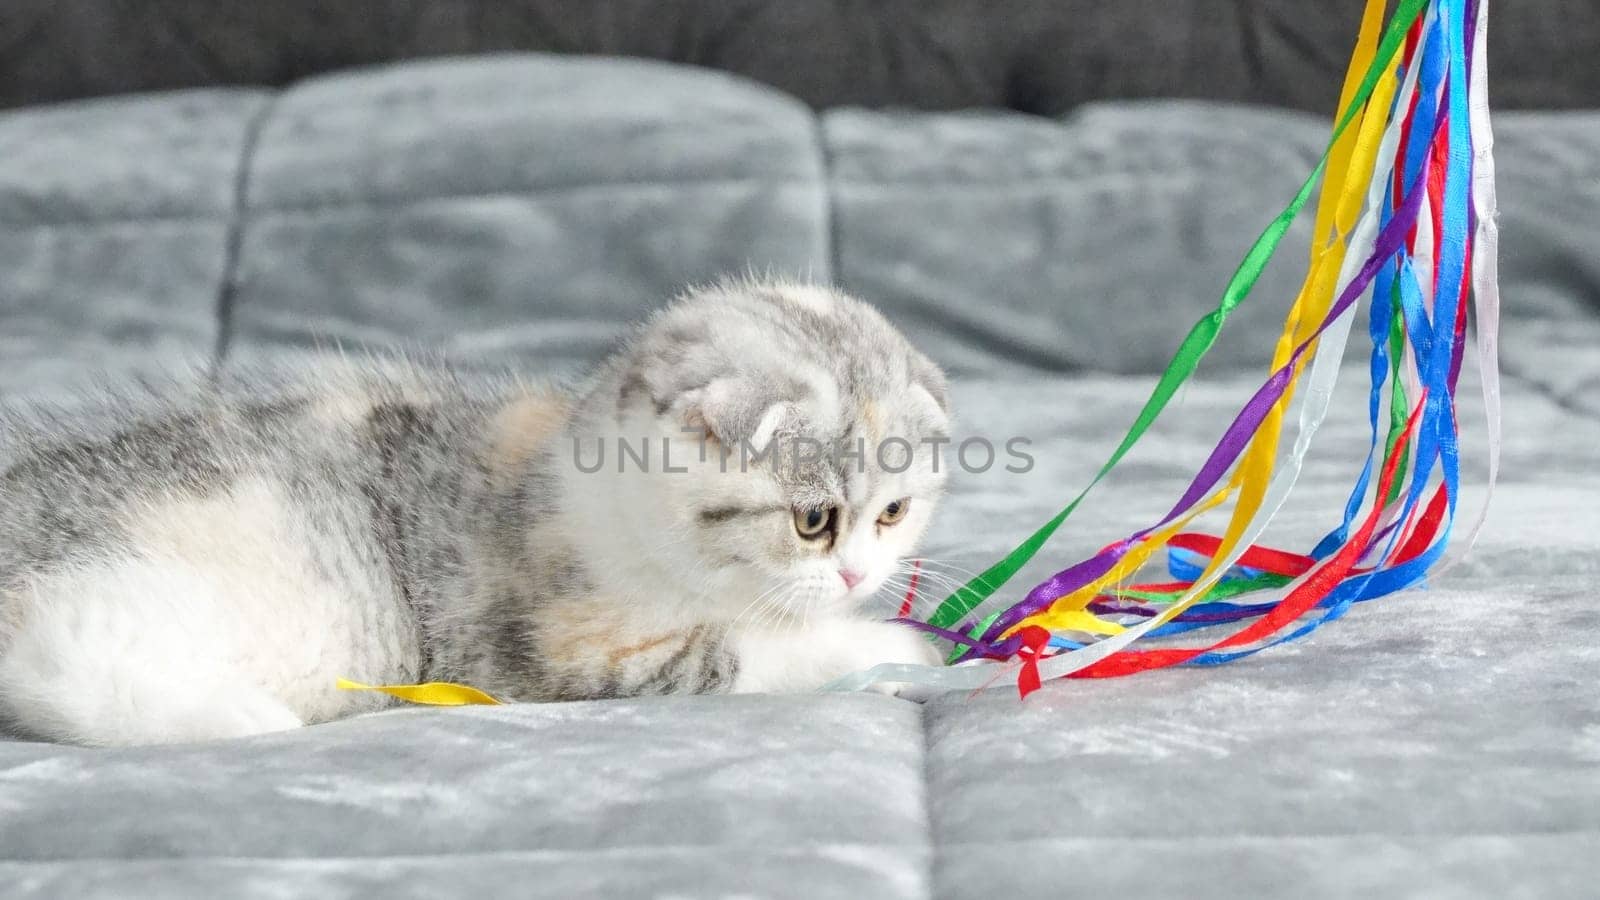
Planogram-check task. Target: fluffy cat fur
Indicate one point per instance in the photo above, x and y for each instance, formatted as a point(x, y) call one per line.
point(204, 559)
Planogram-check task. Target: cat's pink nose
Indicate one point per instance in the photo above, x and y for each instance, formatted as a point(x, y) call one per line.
point(851, 579)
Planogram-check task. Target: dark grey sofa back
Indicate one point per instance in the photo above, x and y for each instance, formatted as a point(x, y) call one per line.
point(1038, 56)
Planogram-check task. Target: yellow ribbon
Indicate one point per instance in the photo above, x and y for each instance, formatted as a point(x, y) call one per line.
point(1082, 620)
point(434, 693)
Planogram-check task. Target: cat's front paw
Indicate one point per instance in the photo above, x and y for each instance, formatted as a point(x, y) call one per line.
point(779, 662)
point(888, 642)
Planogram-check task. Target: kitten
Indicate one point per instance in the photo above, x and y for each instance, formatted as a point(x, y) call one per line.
point(205, 561)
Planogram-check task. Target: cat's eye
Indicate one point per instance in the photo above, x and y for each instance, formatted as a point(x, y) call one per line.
point(894, 512)
point(813, 523)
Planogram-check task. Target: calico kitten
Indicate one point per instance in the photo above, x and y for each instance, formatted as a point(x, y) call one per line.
point(709, 512)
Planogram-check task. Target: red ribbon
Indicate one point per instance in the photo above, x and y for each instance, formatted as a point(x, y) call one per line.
point(1034, 639)
point(1266, 559)
point(911, 592)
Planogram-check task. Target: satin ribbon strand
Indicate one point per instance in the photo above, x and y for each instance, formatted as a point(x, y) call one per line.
point(434, 693)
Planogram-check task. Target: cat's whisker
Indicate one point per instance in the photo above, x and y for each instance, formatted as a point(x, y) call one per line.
point(943, 581)
point(926, 601)
point(797, 623)
point(898, 585)
point(760, 598)
point(729, 631)
point(956, 575)
point(773, 608)
point(748, 607)
point(778, 614)
point(965, 574)
point(922, 583)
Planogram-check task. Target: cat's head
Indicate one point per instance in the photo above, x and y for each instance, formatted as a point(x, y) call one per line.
point(803, 435)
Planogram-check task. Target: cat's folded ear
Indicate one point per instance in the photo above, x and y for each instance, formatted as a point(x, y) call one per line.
point(928, 376)
point(736, 410)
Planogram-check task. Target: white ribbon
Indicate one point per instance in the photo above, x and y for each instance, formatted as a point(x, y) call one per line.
point(1485, 272)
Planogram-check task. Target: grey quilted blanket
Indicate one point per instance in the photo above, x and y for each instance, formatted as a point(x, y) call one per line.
point(1444, 742)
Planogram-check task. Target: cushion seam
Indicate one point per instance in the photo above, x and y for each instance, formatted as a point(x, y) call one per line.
point(228, 282)
point(930, 833)
point(807, 849)
point(1563, 401)
point(383, 202)
point(829, 218)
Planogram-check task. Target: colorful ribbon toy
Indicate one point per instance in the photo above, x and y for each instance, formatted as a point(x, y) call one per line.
point(1406, 217)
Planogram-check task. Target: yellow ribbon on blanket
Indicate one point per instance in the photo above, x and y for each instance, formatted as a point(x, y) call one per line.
point(434, 693)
